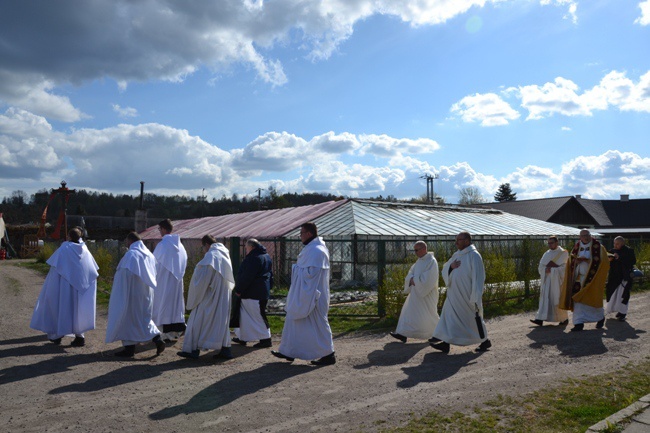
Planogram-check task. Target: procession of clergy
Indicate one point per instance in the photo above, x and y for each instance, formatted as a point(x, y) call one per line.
point(147, 304)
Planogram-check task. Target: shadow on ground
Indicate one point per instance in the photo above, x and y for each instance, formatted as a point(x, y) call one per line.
point(234, 387)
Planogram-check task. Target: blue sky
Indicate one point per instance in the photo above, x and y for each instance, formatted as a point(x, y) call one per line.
point(359, 98)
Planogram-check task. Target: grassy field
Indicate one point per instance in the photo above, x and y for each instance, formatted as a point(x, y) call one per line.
point(572, 406)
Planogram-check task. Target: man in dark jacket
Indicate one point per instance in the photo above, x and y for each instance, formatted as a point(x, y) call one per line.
point(619, 280)
point(250, 296)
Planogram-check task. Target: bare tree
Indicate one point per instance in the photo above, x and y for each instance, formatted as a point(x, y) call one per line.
point(470, 195)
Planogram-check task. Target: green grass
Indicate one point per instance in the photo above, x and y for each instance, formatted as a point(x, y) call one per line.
point(572, 406)
point(343, 325)
point(103, 283)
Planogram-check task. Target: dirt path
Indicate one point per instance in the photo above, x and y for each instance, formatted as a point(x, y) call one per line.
point(47, 388)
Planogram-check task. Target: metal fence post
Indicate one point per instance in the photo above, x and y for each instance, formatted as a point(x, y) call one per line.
point(234, 254)
point(381, 273)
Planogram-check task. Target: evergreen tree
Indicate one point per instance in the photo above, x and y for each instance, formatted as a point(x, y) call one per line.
point(504, 193)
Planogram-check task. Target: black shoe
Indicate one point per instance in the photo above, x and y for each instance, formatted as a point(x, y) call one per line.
point(537, 322)
point(238, 341)
point(484, 346)
point(127, 352)
point(563, 323)
point(400, 337)
point(578, 327)
point(263, 344)
point(224, 353)
point(442, 346)
point(621, 317)
point(160, 344)
point(193, 354)
point(600, 323)
point(325, 360)
point(78, 342)
point(56, 341)
point(280, 355)
point(434, 340)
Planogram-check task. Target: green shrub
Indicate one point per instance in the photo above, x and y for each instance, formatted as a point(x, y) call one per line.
point(391, 291)
point(46, 252)
point(499, 272)
point(106, 261)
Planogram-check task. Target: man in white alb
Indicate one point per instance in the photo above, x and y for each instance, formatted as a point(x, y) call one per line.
point(419, 315)
point(584, 282)
point(168, 302)
point(130, 307)
point(307, 334)
point(209, 297)
point(551, 271)
point(464, 276)
point(66, 304)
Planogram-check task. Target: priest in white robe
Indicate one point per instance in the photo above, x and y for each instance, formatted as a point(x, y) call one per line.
point(168, 301)
point(419, 315)
point(130, 308)
point(551, 271)
point(584, 282)
point(209, 298)
point(66, 304)
point(306, 333)
point(464, 276)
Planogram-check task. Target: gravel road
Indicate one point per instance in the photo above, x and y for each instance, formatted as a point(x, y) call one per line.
point(377, 380)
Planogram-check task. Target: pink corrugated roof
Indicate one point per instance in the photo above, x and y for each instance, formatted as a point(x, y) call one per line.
point(260, 224)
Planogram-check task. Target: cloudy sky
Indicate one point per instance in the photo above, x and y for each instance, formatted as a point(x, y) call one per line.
point(354, 97)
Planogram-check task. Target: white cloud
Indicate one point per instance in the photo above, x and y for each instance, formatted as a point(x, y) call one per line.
point(385, 146)
point(353, 180)
point(146, 40)
point(125, 111)
point(644, 19)
point(33, 92)
point(489, 109)
point(171, 161)
point(562, 96)
point(572, 7)
point(335, 144)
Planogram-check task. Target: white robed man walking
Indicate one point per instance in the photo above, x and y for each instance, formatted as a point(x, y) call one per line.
point(66, 304)
point(551, 271)
point(168, 301)
point(306, 333)
point(464, 276)
point(419, 315)
point(209, 298)
point(130, 307)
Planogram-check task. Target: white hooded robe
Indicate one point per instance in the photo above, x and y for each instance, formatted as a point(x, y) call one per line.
point(306, 333)
point(171, 261)
point(551, 286)
point(130, 308)
point(66, 304)
point(419, 315)
point(465, 285)
point(209, 297)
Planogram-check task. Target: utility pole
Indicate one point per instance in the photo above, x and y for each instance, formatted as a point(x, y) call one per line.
point(259, 198)
point(202, 201)
point(430, 194)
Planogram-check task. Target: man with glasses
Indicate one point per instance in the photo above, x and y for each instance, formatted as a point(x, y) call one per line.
point(419, 315)
point(551, 271)
point(461, 320)
point(584, 282)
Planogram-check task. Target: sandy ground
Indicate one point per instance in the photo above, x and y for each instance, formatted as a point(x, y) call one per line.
point(378, 381)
